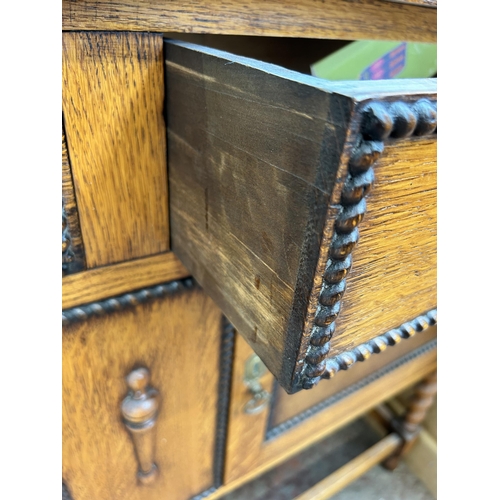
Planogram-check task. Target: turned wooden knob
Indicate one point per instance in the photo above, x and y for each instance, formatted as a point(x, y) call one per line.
point(139, 411)
point(138, 379)
point(141, 405)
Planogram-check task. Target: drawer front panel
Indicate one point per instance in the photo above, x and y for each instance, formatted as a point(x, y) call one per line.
point(270, 173)
point(179, 339)
point(393, 277)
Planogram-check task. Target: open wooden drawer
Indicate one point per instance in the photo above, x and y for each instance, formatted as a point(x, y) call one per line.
point(305, 208)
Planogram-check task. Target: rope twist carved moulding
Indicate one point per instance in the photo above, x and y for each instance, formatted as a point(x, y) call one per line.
point(380, 121)
point(113, 304)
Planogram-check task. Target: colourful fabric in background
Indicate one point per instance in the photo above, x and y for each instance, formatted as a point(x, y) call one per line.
point(376, 60)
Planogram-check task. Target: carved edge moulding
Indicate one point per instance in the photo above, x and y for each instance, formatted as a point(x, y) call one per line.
point(323, 181)
point(378, 122)
point(379, 344)
point(226, 372)
point(73, 256)
point(120, 302)
point(129, 300)
point(278, 430)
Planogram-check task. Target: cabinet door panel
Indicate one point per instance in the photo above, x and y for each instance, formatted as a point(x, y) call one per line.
point(291, 422)
point(178, 338)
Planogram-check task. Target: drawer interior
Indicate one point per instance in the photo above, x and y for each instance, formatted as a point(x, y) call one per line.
point(296, 54)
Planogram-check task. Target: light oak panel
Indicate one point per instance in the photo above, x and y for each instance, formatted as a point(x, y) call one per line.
point(393, 277)
point(108, 281)
point(246, 432)
point(113, 91)
point(341, 19)
point(178, 339)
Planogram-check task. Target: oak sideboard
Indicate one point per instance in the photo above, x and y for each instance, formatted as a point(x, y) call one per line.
point(248, 251)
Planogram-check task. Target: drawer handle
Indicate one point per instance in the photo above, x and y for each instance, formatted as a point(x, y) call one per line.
point(139, 411)
point(254, 370)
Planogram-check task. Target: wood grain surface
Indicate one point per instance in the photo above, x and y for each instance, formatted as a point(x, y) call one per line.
point(73, 251)
point(394, 267)
point(246, 432)
point(246, 458)
point(98, 452)
point(340, 19)
point(108, 281)
point(113, 91)
point(423, 3)
point(253, 159)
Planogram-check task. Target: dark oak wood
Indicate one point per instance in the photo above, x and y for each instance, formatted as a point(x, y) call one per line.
point(269, 170)
point(335, 19)
point(230, 184)
point(73, 254)
point(113, 96)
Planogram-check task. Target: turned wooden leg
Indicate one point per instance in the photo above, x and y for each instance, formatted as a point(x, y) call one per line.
point(410, 426)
